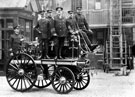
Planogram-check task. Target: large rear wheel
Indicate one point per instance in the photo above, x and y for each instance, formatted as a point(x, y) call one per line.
point(21, 72)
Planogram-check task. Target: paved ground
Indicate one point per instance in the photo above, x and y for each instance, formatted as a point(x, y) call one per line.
point(102, 85)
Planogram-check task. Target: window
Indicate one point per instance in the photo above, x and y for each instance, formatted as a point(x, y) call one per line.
point(6, 40)
point(0, 44)
point(98, 4)
point(9, 23)
point(22, 25)
point(2, 34)
point(66, 4)
point(26, 30)
point(1, 23)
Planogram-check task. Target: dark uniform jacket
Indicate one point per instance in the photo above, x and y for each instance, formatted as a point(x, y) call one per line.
point(44, 26)
point(72, 24)
point(82, 23)
point(60, 26)
point(15, 41)
point(52, 29)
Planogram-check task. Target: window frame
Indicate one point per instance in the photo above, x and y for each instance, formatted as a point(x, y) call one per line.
point(97, 4)
point(24, 28)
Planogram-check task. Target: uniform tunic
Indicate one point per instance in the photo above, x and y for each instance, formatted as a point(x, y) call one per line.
point(44, 26)
point(72, 23)
point(82, 23)
point(60, 26)
point(61, 30)
point(52, 29)
point(15, 42)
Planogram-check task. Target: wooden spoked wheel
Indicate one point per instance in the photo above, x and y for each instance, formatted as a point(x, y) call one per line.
point(47, 77)
point(63, 80)
point(82, 81)
point(21, 72)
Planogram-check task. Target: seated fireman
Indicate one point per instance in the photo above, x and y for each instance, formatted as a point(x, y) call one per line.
point(71, 23)
point(72, 29)
point(73, 26)
point(16, 40)
point(83, 25)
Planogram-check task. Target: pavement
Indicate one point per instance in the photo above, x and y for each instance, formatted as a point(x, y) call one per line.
point(101, 85)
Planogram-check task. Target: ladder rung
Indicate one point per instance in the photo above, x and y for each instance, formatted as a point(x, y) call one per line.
point(116, 58)
point(115, 35)
point(114, 47)
point(114, 53)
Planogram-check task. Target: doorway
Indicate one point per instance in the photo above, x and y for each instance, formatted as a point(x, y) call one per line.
point(6, 29)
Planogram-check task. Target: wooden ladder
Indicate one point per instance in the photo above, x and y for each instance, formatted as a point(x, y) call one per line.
point(116, 48)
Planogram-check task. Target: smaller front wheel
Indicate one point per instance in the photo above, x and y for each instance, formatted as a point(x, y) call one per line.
point(47, 77)
point(63, 80)
point(82, 81)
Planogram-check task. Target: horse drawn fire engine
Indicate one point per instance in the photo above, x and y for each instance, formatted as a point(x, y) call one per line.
point(64, 74)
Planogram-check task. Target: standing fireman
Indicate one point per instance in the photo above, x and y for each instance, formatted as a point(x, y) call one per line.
point(51, 21)
point(61, 29)
point(83, 25)
point(43, 26)
point(52, 31)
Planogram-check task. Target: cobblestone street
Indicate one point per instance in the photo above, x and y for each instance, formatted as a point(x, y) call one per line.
point(101, 85)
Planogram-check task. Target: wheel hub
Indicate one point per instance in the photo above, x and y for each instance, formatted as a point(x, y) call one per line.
point(62, 80)
point(79, 78)
point(21, 72)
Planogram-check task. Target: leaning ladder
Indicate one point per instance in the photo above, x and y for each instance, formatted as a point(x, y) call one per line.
point(116, 48)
